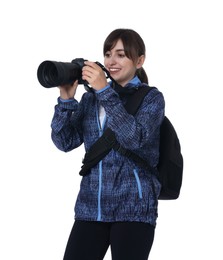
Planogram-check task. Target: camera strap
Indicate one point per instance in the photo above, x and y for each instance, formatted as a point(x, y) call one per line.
point(118, 88)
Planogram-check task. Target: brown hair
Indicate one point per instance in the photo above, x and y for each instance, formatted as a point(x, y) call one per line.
point(133, 44)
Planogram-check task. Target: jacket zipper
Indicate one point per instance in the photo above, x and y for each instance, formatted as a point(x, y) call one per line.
point(100, 128)
point(138, 183)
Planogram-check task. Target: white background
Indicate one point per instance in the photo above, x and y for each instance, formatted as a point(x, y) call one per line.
point(39, 184)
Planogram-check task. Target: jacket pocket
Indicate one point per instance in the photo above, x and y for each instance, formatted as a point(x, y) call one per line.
point(138, 183)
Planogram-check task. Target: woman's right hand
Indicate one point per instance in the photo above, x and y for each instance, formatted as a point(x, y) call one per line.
point(68, 91)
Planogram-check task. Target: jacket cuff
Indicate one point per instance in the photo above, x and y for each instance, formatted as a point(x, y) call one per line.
point(67, 103)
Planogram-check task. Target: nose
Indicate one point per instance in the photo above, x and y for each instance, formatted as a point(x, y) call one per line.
point(111, 60)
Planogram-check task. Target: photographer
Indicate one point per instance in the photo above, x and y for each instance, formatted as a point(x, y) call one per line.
point(117, 202)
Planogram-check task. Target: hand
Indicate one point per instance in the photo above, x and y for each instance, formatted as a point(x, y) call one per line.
point(68, 91)
point(94, 75)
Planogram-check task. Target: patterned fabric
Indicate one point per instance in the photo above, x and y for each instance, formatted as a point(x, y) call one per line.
point(116, 189)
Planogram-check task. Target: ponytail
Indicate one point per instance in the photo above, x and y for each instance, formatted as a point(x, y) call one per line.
point(142, 75)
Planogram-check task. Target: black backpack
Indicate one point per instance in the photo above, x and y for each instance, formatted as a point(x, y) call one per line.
point(170, 166)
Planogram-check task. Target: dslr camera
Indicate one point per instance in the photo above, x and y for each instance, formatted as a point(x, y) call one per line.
point(53, 73)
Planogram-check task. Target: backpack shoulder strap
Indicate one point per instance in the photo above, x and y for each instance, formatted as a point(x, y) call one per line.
point(108, 141)
point(134, 101)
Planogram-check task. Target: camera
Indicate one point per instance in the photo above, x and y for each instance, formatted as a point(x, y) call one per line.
point(53, 73)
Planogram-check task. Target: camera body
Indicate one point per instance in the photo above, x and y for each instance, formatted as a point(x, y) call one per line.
point(53, 73)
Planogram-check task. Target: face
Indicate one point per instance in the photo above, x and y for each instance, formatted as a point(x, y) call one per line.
point(120, 67)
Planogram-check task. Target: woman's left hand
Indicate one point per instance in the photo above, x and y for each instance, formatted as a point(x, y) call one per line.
point(94, 75)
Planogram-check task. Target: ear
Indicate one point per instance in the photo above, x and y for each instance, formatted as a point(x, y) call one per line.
point(140, 61)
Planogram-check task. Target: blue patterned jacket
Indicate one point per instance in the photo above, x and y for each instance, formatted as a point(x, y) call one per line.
point(116, 189)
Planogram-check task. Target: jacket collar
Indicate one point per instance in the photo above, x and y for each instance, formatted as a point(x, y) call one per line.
point(129, 88)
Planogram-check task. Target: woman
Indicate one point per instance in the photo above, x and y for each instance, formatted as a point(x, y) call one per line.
point(117, 201)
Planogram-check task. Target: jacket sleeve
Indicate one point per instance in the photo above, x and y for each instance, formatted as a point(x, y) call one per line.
point(66, 125)
point(133, 132)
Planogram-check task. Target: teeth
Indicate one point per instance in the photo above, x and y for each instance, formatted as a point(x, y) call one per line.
point(114, 69)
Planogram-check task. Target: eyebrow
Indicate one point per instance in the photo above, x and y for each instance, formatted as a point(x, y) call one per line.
point(120, 50)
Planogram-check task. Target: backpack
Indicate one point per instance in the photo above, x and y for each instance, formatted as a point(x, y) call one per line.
point(170, 166)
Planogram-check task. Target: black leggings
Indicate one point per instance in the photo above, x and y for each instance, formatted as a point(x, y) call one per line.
point(128, 240)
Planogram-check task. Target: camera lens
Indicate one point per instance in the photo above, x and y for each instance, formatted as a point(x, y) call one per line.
point(52, 73)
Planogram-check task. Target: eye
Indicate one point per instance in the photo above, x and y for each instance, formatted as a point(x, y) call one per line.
point(121, 55)
point(107, 54)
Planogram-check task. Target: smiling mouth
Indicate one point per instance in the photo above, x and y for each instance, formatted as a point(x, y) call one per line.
point(112, 70)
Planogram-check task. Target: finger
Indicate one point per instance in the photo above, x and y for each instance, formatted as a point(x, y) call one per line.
point(89, 63)
point(87, 72)
point(93, 65)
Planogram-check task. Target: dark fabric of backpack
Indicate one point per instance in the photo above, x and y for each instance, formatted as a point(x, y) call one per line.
point(170, 166)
